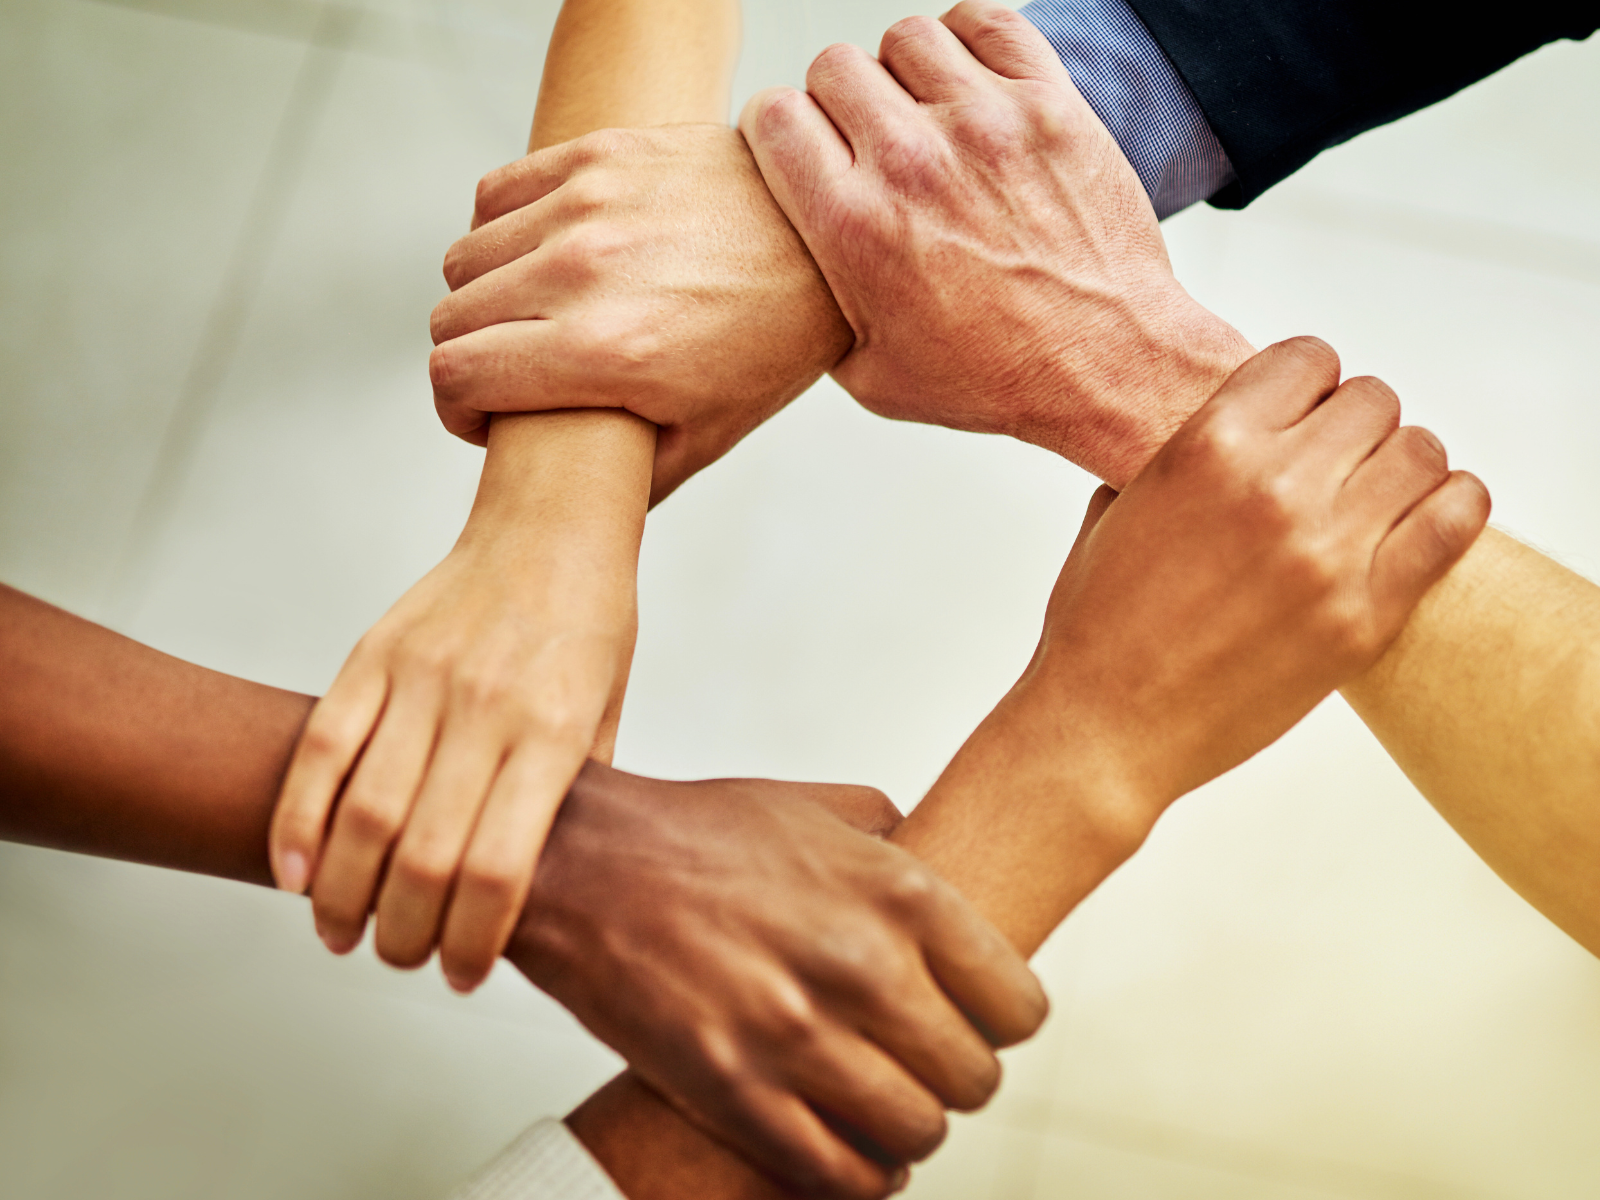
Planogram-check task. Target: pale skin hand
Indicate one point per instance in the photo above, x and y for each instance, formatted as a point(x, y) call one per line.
point(1294, 525)
point(987, 177)
point(841, 972)
point(630, 269)
point(997, 260)
point(466, 711)
point(988, 242)
point(451, 734)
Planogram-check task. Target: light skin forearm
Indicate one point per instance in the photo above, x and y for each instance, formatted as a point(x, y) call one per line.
point(613, 65)
point(1490, 703)
point(1023, 855)
point(636, 63)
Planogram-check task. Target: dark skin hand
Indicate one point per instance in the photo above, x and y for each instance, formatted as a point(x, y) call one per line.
point(1269, 553)
point(746, 949)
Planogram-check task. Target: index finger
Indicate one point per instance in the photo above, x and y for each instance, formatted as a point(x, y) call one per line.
point(530, 178)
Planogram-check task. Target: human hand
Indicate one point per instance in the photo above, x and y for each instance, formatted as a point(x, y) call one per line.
point(760, 963)
point(645, 269)
point(453, 729)
point(990, 246)
point(1268, 554)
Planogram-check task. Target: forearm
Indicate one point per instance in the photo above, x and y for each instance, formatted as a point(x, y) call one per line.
point(610, 64)
point(111, 748)
point(1490, 703)
point(1022, 838)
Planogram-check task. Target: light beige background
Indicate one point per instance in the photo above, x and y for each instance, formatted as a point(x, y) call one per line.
point(221, 223)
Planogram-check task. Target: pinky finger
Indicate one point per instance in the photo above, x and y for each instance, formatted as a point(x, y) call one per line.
point(338, 727)
point(497, 869)
point(1428, 541)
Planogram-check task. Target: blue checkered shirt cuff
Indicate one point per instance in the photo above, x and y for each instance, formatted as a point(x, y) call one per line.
point(1133, 87)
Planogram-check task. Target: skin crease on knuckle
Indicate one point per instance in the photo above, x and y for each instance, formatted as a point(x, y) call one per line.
point(366, 820)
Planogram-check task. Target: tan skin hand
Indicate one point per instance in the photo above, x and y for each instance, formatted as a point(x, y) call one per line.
point(760, 963)
point(632, 269)
point(454, 728)
point(731, 936)
point(1269, 553)
point(993, 251)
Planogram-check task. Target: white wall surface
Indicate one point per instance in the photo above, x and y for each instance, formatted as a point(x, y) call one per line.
point(221, 223)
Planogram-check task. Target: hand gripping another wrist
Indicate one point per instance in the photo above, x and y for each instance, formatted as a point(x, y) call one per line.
point(1269, 553)
point(989, 244)
point(646, 269)
point(757, 960)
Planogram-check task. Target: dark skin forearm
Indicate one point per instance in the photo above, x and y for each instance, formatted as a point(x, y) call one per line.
point(108, 747)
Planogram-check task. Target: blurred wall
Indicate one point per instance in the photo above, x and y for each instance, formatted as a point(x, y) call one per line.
point(221, 224)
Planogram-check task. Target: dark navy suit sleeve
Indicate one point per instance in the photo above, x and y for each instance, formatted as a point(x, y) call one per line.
point(1280, 81)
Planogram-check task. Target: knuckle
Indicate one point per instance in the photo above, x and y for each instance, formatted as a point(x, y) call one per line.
point(423, 659)
point(324, 737)
point(598, 145)
point(774, 110)
point(1377, 396)
point(925, 1131)
point(486, 196)
point(457, 265)
point(1344, 633)
point(495, 881)
point(982, 1083)
point(367, 819)
point(442, 322)
point(444, 367)
point(1310, 567)
point(1269, 504)
point(586, 192)
point(481, 690)
point(833, 62)
point(1312, 355)
point(425, 867)
point(907, 31)
point(1424, 451)
point(910, 887)
point(1220, 447)
point(791, 1017)
point(720, 1052)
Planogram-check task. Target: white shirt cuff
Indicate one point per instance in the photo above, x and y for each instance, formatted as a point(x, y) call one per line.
point(546, 1162)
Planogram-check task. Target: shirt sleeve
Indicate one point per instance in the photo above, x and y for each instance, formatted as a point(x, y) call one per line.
point(546, 1162)
point(1133, 87)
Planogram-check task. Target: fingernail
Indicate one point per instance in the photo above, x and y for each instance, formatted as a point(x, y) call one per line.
point(292, 872)
point(464, 984)
point(899, 1180)
point(332, 941)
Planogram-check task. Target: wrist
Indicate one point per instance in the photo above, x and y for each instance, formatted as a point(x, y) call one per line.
point(1046, 794)
point(1121, 385)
